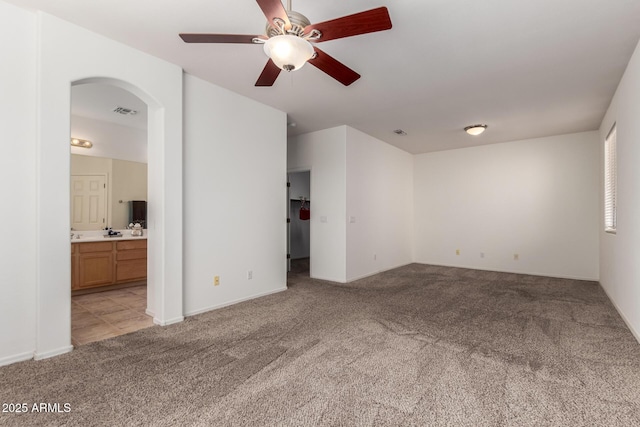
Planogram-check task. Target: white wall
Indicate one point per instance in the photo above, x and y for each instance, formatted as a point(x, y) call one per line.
point(239, 224)
point(17, 183)
point(619, 253)
point(300, 184)
point(536, 198)
point(234, 197)
point(87, 165)
point(109, 139)
point(379, 206)
point(46, 56)
point(128, 182)
point(68, 54)
point(355, 177)
point(324, 154)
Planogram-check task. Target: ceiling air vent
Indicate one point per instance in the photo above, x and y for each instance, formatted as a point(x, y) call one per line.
point(399, 132)
point(125, 111)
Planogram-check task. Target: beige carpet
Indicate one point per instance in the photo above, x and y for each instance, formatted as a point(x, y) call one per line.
point(419, 345)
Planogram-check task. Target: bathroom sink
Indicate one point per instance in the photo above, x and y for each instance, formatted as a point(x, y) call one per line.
point(99, 235)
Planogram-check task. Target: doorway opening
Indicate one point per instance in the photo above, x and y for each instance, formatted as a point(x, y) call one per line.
point(299, 226)
point(109, 194)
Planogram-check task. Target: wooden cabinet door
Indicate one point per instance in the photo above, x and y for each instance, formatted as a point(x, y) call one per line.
point(107, 263)
point(96, 268)
point(131, 269)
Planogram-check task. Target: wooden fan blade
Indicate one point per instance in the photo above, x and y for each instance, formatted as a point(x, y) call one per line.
point(352, 25)
point(274, 9)
point(269, 74)
point(218, 38)
point(334, 68)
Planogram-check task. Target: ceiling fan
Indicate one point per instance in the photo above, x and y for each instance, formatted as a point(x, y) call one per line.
point(289, 35)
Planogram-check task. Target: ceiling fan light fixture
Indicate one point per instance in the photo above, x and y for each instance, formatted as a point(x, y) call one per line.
point(288, 52)
point(475, 130)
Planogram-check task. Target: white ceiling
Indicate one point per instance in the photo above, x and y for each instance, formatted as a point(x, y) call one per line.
point(97, 101)
point(527, 68)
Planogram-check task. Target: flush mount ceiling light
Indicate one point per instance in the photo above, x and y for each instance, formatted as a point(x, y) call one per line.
point(475, 130)
point(82, 143)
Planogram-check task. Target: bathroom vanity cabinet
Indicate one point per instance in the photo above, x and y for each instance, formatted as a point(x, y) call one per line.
point(131, 260)
point(96, 264)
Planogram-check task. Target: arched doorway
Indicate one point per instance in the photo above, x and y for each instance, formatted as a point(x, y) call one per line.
point(108, 180)
point(164, 296)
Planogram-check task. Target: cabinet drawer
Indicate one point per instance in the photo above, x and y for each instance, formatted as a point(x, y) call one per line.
point(132, 254)
point(95, 247)
point(131, 244)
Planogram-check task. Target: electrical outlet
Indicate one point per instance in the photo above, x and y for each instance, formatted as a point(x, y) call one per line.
point(249, 274)
point(457, 251)
point(481, 254)
point(516, 257)
point(375, 257)
point(216, 280)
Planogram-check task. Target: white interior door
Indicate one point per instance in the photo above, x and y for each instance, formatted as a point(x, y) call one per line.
point(88, 202)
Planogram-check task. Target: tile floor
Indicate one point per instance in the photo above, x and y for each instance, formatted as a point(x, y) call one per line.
point(107, 314)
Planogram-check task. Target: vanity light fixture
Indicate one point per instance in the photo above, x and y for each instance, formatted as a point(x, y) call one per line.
point(475, 130)
point(82, 143)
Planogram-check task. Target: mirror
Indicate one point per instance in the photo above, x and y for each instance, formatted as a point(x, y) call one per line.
point(123, 181)
point(110, 174)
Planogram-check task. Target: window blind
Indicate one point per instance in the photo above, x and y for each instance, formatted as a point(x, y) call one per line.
point(610, 181)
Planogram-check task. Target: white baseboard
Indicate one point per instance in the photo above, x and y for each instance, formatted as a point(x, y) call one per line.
point(168, 322)
point(236, 301)
point(353, 279)
point(629, 325)
point(52, 353)
point(149, 312)
point(325, 279)
point(16, 358)
point(526, 273)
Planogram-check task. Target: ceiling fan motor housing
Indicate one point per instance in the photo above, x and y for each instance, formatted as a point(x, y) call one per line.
point(298, 23)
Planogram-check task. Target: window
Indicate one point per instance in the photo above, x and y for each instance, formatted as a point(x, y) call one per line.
point(610, 181)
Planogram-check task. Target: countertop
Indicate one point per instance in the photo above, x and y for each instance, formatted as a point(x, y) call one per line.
point(93, 236)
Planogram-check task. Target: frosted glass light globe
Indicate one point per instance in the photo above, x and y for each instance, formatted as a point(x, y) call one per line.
point(475, 130)
point(288, 52)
